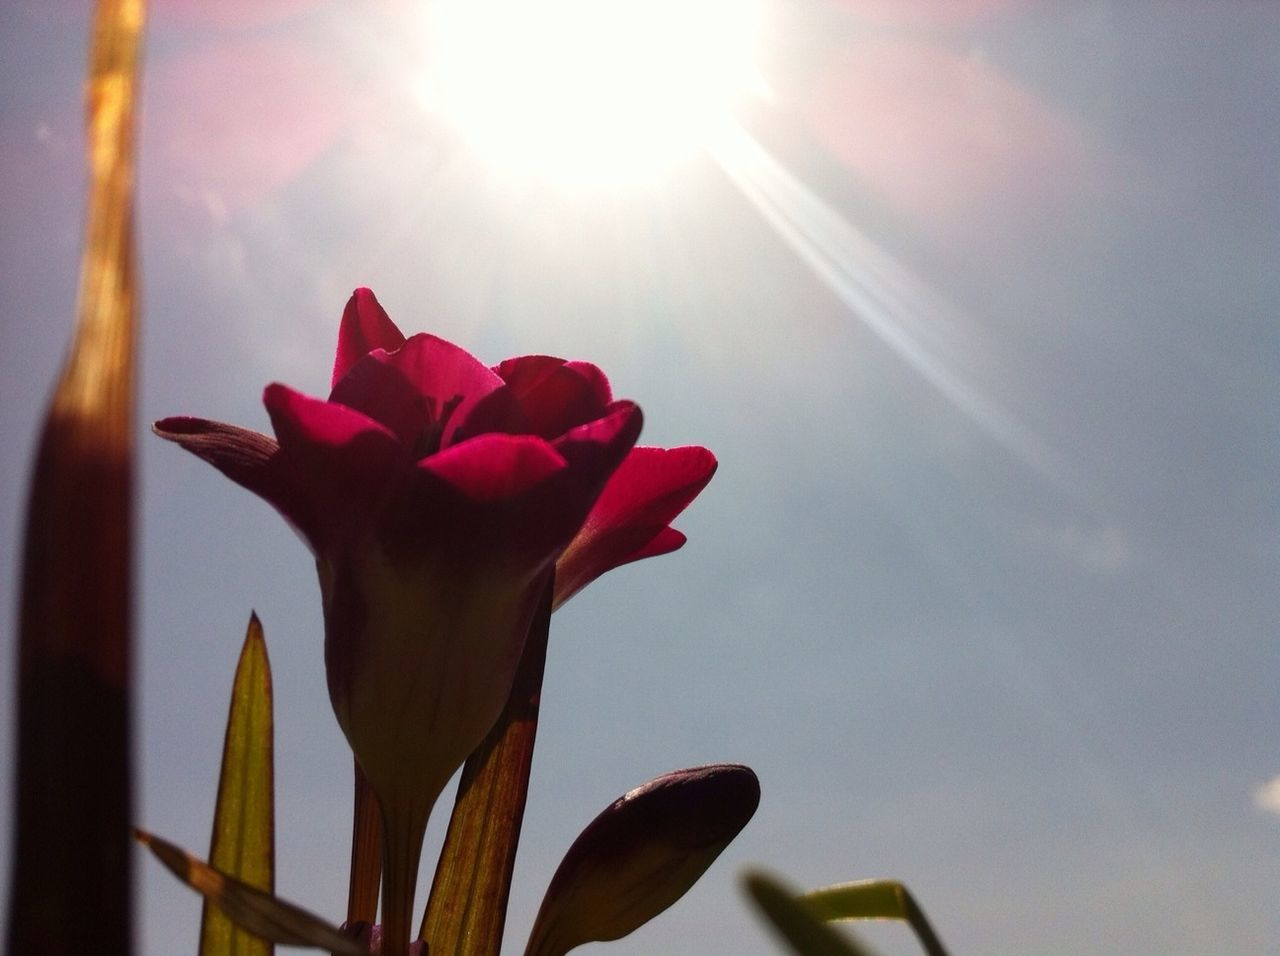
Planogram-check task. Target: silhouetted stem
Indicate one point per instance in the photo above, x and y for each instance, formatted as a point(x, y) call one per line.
point(468, 905)
point(403, 829)
point(366, 853)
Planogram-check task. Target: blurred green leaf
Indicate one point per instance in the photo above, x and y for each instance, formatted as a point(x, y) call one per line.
point(791, 919)
point(251, 909)
point(866, 899)
point(874, 899)
point(70, 869)
point(243, 842)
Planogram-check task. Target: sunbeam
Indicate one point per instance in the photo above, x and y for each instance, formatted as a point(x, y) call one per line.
point(883, 294)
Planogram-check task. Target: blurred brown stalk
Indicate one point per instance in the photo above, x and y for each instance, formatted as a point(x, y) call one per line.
point(71, 875)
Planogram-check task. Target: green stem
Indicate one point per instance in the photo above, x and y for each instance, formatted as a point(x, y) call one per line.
point(467, 908)
point(403, 831)
point(366, 853)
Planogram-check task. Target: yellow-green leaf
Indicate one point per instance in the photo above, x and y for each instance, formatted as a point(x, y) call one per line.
point(792, 920)
point(243, 842)
point(251, 909)
point(874, 899)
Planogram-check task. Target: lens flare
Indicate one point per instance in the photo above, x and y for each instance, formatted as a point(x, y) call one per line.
point(588, 92)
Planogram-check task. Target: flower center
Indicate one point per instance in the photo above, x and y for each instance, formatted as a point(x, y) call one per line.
point(428, 441)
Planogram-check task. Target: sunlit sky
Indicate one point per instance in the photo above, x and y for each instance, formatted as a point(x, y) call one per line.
point(975, 302)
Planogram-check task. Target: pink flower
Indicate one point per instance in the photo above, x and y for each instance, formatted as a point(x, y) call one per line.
point(436, 495)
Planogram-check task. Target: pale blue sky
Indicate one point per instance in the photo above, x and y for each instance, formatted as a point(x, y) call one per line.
point(985, 339)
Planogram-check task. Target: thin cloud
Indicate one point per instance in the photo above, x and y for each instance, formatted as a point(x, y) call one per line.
point(1105, 549)
point(1267, 796)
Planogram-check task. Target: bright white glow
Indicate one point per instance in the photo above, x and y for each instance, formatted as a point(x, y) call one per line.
point(589, 92)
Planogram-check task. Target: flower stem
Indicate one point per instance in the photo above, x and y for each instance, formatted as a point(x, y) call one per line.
point(467, 908)
point(366, 853)
point(401, 850)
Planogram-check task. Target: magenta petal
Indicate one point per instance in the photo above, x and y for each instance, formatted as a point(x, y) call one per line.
point(365, 327)
point(666, 541)
point(340, 460)
point(556, 395)
point(495, 467)
point(484, 501)
point(631, 518)
point(597, 448)
point(595, 375)
point(428, 384)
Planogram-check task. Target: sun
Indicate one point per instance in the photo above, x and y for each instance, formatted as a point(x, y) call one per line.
point(589, 93)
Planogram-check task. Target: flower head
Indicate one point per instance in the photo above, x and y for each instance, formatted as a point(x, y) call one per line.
point(436, 495)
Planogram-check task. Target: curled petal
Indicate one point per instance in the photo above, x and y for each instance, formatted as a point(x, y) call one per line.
point(365, 327)
point(666, 541)
point(248, 458)
point(641, 854)
point(556, 395)
point(339, 462)
point(631, 519)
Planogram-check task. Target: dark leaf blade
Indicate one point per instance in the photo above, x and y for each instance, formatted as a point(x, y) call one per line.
point(251, 909)
point(243, 841)
point(70, 870)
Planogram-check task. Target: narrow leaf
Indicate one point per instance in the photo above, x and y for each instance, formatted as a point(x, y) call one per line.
point(874, 899)
point(792, 920)
point(251, 909)
point(467, 908)
point(70, 872)
point(243, 841)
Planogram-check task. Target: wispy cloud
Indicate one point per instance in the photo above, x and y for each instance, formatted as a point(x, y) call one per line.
point(1267, 796)
point(1105, 548)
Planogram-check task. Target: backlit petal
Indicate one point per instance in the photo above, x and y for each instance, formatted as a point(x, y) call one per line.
point(630, 520)
point(365, 327)
point(341, 462)
point(556, 395)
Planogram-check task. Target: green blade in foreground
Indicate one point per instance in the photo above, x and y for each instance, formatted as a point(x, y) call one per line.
point(874, 899)
point(243, 842)
point(253, 910)
point(792, 919)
